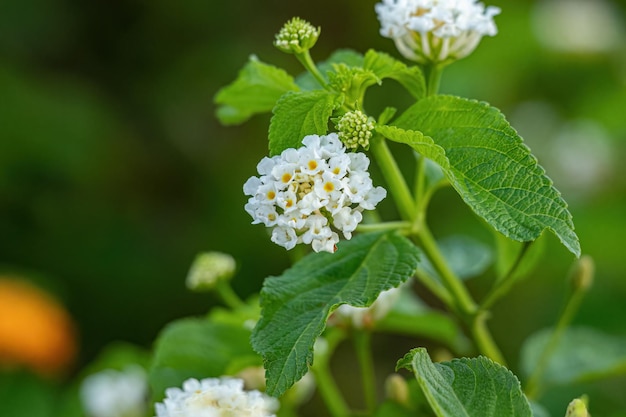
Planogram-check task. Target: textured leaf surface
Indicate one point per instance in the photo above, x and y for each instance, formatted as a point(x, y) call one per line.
point(298, 114)
point(492, 170)
point(581, 354)
point(256, 90)
point(196, 348)
point(424, 145)
point(385, 66)
point(476, 387)
point(295, 305)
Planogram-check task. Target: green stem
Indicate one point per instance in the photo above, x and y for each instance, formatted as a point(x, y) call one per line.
point(434, 72)
point(227, 295)
point(506, 283)
point(307, 62)
point(484, 341)
point(375, 227)
point(363, 347)
point(437, 289)
point(463, 302)
point(395, 180)
point(326, 385)
point(582, 276)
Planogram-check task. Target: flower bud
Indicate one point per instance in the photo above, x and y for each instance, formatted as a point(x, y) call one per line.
point(355, 129)
point(208, 269)
point(577, 408)
point(296, 36)
point(396, 389)
point(581, 276)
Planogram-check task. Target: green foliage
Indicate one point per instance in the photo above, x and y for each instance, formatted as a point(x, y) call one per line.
point(581, 354)
point(255, 90)
point(197, 348)
point(492, 170)
point(298, 114)
point(424, 145)
point(295, 305)
point(476, 387)
point(385, 66)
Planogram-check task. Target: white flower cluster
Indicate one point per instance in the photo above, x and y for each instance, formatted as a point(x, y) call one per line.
point(112, 393)
point(215, 397)
point(307, 193)
point(433, 31)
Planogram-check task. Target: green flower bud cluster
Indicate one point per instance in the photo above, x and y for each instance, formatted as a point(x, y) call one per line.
point(355, 129)
point(296, 36)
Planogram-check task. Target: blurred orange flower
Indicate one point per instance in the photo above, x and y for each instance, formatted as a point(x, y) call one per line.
point(35, 330)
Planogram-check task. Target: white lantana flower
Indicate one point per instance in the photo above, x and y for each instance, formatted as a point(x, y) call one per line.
point(309, 195)
point(435, 31)
point(215, 397)
point(112, 393)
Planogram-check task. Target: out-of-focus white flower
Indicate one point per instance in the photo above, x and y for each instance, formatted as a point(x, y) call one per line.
point(208, 268)
point(308, 195)
point(364, 317)
point(112, 393)
point(578, 26)
point(436, 31)
point(215, 397)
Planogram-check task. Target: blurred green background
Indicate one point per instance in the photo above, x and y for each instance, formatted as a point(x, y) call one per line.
point(114, 172)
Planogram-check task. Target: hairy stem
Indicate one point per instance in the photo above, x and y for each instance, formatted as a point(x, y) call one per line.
point(307, 62)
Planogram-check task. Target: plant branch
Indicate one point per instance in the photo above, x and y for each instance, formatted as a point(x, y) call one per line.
point(395, 180)
point(504, 285)
point(326, 384)
point(362, 345)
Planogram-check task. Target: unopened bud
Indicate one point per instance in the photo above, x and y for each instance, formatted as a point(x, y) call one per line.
point(296, 36)
point(208, 269)
point(581, 275)
point(355, 129)
point(577, 408)
point(396, 389)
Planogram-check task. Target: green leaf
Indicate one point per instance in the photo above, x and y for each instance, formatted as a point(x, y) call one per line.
point(491, 168)
point(341, 56)
point(298, 114)
point(416, 140)
point(385, 66)
point(582, 354)
point(295, 305)
point(196, 348)
point(476, 387)
point(256, 90)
